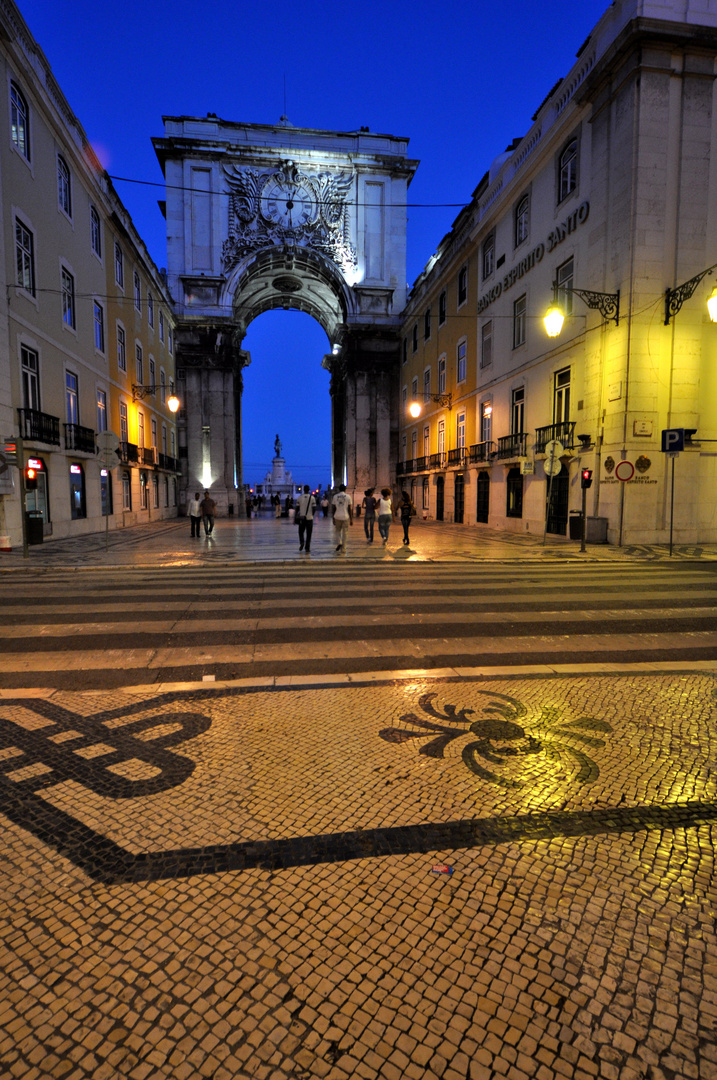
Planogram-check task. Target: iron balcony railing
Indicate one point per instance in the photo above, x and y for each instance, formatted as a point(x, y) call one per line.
point(147, 455)
point(481, 451)
point(457, 457)
point(40, 427)
point(80, 438)
point(128, 453)
point(564, 433)
point(421, 464)
point(437, 461)
point(168, 463)
point(512, 446)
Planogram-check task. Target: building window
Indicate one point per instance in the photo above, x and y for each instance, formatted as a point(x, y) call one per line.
point(564, 281)
point(461, 431)
point(153, 431)
point(95, 232)
point(426, 494)
point(173, 447)
point(517, 411)
point(164, 439)
point(404, 397)
point(106, 492)
point(119, 266)
point(126, 491)
point(561, 396)
point(568, 170)
point(486, 344)
point(426, 440)
point(441, 438)
point(124, 424)
point(414, 388)
point(64, 187)
point(155, 491)
point(68, 298)
point(415, 338)
point(25, 257)
point(405, 350)
point(442, 308)
point(414, 445)
point(521, 220)
point(427, 383)
point(514, 494)
point(137, 292)
point(140, 429)
point(486, 420)
point(139, 364)
point(170, 342)
point(152, 374)
point(121, 349)
point(427, 324)
point(99, 317)
point(30, 362)
point(77, 491)
point(462, 286)
point(166, 491)
point(150, 308)
point(404, 449)
point(519, 321)
point(19, 121)
point(488, 256)
point(72, 399)
point(442, 375)
point(162, 386)
point(101, 411)
point(161, 326)
point(461, 362)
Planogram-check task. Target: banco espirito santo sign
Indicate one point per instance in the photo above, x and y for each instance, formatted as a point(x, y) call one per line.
point(555, 237)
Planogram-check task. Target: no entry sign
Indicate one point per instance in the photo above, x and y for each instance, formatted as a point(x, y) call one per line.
point(624, 470)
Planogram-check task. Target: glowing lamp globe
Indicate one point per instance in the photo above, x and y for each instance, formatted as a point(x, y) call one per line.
point(173, 403)
point(712, 304)
point(554, 321)
point(414, 409)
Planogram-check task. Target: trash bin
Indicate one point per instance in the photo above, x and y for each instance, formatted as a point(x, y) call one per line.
point(35, 526)
point(596, 528)
point(575, 521)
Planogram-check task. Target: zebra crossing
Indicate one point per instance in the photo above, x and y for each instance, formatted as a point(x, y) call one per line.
point(102, 629)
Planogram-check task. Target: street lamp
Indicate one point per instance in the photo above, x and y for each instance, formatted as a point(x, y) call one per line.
point(675, 298)
point(608, 304)
point(445, 400)
point(142, 391)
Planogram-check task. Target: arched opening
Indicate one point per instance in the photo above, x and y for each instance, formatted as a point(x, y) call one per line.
point(286, 393)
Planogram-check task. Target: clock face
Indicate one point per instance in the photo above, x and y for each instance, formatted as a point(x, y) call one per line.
point(288, 203)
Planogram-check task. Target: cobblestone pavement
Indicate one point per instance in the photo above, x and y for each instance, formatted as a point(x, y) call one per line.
point(414, 878)
point(168, 543)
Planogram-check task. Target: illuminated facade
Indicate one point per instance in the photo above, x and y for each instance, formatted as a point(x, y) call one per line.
point(613, 190)
point(84, 315)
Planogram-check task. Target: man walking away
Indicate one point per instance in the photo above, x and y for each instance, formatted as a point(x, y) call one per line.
point(208, 506)
point(195, 513)
point(342, 511)
point(369, 519)
point(305, 509)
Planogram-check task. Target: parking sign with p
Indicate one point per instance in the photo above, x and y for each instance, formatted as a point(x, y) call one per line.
point(673, 439)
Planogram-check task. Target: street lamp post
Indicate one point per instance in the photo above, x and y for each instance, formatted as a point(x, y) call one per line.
point(445, 400)
point(608, 304)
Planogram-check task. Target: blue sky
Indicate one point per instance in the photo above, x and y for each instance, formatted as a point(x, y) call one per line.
point(459, 80)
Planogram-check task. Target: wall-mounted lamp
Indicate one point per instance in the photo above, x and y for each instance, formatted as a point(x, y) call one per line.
point(141, 391)
point(608, 304)
point(487, 409)
point(675, 298)
point(415, 409)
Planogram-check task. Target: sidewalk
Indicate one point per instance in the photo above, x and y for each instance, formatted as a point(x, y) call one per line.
point(168, 543)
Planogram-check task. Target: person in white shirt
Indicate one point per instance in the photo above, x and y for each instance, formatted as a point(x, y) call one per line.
point(305, 512)
point(342, 511)
point(195, 513)
point(385, 513)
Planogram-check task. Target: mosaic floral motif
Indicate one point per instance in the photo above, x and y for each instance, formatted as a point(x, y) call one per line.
point(643, 464)
point(501, 740)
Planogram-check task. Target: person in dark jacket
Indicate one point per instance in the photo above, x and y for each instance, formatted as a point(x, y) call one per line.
point(407, 510)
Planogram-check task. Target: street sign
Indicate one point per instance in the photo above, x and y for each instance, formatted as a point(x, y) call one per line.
point(624, 470)
point(107, 446)
point(673, 439)
point(552, 463)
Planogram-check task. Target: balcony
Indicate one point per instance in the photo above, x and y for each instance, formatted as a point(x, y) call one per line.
point(421, 464)
point(38, 426)
point(481, 451)
point(147, 455)
point(128, 453)
point(168, 463)
point(437, 461)
point(511, 446)
point(80, 438)
point(564, 432)
point(457, 457)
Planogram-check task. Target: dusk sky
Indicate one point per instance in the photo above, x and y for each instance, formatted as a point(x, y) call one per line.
point(459, 80)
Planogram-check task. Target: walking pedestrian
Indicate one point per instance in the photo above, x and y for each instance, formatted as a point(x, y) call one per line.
point(369, 518)
point(325, 506)
point(305, 509)
point(208, 507)
point(385, 513)
point(342, 511)
point(195, 513)
point(407, 510)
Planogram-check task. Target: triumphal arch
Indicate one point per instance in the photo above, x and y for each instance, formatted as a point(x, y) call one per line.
point(260, 217)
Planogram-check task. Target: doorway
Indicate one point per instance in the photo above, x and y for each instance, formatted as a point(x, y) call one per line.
point(440, 496)
point(557, 503)
point(459, 498)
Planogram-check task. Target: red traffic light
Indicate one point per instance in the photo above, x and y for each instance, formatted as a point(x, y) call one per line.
point(30, 478)
point(586, 478)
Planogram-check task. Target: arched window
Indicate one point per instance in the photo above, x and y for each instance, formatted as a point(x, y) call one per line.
point(568, 170)
point(64, 190)
point(514, 492)
point(521, 220)
point(20, 121)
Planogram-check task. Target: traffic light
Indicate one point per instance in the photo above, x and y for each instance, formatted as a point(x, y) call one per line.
point(586, 478)
point(30, 478)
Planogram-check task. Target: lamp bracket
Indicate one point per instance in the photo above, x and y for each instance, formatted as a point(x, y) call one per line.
point(608, 304)
point(675, 298)
point(142, 391)
point(443, 399)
